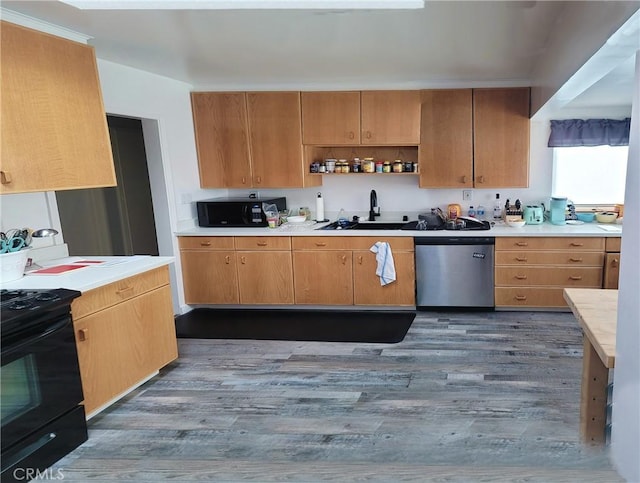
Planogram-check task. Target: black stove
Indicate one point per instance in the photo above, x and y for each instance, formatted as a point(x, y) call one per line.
point(21, 310)
point(43, 417)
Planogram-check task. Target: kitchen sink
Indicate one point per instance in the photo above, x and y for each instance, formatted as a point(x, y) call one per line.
point(353, 225)
point(379, 226)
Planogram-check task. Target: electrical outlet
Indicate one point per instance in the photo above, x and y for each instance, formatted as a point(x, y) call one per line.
point(467, 195)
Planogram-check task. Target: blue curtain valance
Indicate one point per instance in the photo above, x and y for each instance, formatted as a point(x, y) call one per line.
point(589, 132)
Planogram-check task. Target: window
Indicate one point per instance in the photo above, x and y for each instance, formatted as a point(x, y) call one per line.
point(590, 175)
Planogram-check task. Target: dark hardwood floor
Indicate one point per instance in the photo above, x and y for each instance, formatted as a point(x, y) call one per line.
point(465, 397)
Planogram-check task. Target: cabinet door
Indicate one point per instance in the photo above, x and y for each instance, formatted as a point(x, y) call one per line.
point(54, 127)
point(323, 277)
point(209, 277)
point(275, 131)
point(390, 117)
point(220, 123)
point(446, 139)
point(265, 277)
point(366, 284)
point(611, 270)
point(501, 138)
point(331, 118)
point(120, 346)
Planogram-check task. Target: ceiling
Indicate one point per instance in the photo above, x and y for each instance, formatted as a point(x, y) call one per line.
point(446, 44)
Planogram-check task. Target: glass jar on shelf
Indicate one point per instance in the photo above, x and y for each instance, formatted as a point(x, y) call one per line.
point(368, 166)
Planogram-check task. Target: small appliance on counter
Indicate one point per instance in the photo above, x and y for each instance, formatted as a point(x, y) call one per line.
point(236, 212)
point(533, 214)
point(557, 209)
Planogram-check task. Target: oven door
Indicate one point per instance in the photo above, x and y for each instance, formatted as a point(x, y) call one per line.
point(40, 379)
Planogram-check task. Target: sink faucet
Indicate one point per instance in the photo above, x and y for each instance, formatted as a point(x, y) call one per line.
point(373, 205)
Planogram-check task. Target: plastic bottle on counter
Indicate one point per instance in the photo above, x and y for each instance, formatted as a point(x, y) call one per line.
point(471, 212)
point(480, 212)
point(497, 209)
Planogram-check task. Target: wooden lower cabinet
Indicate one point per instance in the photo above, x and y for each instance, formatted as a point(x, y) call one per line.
point(265, 277)
point(611, 271)
point(237, 270)
point(323, 277)
point(366, 284)
point(533, 271)
point(210, 277)
point(306, 270)
point(611, 263)
point(341, 271)
point(122, 344)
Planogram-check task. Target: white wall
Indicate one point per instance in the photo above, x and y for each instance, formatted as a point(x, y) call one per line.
point(625, 433)
point(164, 106)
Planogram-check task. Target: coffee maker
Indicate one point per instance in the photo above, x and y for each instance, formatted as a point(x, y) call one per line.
point(557, 210)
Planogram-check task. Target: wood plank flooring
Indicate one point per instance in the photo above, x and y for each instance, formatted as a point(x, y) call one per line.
point(465, 397)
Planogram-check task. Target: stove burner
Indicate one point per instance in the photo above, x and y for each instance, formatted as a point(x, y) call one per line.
point(20, 305)
point(11, 294)
point(46, 297)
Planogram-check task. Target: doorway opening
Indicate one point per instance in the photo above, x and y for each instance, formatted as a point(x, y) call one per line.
point(114, 221)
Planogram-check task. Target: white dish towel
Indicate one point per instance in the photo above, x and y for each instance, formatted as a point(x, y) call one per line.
point(386, 269)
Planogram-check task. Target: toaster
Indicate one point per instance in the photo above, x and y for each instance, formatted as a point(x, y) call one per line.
point(533, 214)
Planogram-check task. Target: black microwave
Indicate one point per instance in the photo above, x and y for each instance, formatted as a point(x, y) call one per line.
point(236, 212)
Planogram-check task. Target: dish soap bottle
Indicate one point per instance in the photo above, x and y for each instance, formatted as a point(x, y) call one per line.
point(480, 212)
point(497, 209)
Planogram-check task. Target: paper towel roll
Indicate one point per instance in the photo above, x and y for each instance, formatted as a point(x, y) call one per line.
point(319, 207)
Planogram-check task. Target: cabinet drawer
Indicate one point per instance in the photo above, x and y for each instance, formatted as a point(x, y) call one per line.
point(321, 243)
point(116, 292)
point(263, 243)
point(349, 242)
point(529, 297)
point(398, 243)
point(585, 259)
point(556, 276)
point(612, 244)
point(205, 242)
point(549, 243)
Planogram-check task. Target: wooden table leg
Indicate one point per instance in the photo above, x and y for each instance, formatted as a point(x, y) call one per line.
point(593, 398)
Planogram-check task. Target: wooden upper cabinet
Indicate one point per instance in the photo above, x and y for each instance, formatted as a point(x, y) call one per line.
point(501, 137)
point(331, 118)
point(446, 139)
point(54, 128)
point(390, 117)
point(367, 117)
point(251, 139)
point(275, 134)
point(222, 140)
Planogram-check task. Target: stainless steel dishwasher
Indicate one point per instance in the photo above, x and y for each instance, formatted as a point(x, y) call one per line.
point(454, 271)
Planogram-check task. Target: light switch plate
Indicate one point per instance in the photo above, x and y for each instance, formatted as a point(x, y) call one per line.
point(467, 195)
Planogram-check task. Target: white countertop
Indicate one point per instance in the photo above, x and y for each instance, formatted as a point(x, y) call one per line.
point(499, 230)
point(90, 277)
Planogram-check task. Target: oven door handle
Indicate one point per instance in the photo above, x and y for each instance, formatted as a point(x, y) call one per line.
point(31, 338)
